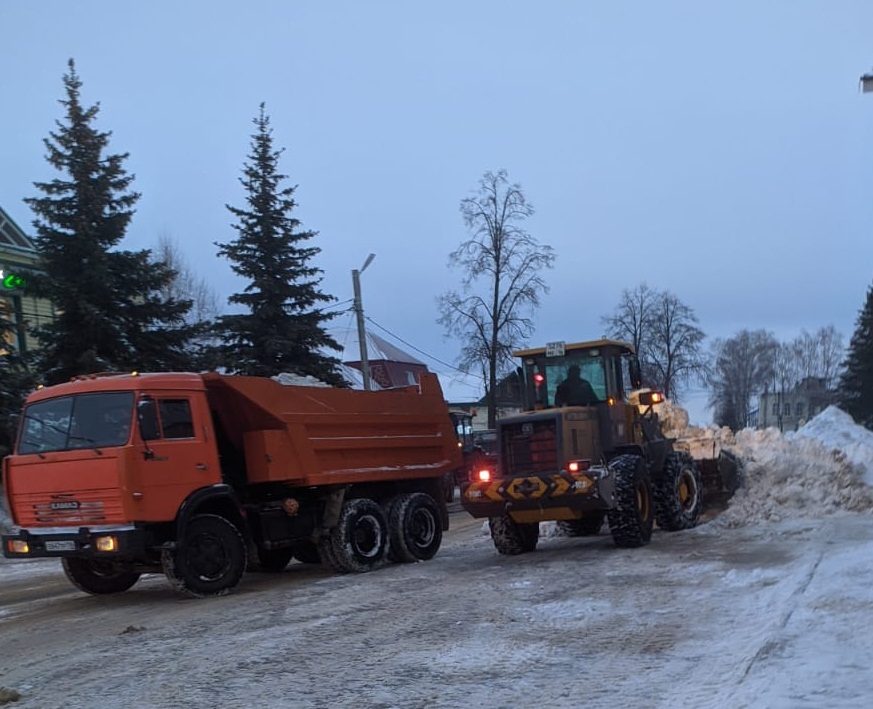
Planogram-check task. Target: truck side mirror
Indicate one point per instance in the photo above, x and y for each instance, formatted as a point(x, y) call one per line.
point(147, 419)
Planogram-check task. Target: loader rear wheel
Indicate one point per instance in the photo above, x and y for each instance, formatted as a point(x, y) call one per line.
point(512, 538)
point(98, 576)
point(416, 529)
point(588, 526)
point(632, 518)
point(360, 539)
point(272, 561)
point(209, 560)
point(678, 492)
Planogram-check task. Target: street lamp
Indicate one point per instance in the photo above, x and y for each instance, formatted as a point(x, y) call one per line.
point(867, 82)
point(359, 311)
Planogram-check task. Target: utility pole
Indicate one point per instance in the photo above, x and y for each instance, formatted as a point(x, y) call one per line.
point(359, 312)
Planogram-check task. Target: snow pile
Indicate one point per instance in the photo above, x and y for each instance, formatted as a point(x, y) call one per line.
point(300, 380)
point(825, 467)
point(836, 429)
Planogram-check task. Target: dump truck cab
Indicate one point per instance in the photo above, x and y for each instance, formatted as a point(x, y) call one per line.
point(586, 447)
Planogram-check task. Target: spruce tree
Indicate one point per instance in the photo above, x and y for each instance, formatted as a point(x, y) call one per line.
point(855, 389)
point(15, 382)
point(109, 311)
point(282, 330)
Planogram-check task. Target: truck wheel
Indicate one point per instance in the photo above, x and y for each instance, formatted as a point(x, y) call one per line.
point(98, 576)
point(631, 520)
point(272, 561)
point(416, 530)
point(306, 552)
point(588, 526)
point(512, 538)
point(360, 539)
point(327, 556)
point(678, 493)
point(209, 561)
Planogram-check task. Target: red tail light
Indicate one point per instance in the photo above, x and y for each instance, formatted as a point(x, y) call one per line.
point(482, 476)
point(577, 466)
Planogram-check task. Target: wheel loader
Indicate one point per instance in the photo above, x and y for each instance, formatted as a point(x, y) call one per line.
point(580, 462)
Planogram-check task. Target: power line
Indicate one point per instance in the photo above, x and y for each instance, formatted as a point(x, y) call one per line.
point(410, 345)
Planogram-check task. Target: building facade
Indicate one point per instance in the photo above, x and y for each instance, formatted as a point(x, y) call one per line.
point(789, 410)
point(17, 306)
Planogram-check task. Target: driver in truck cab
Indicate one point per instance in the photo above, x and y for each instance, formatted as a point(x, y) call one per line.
point(574, 390)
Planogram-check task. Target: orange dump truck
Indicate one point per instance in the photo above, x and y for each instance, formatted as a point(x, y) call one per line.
point(201, 476)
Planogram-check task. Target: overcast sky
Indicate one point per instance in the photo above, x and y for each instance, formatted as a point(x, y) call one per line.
point(719, 150)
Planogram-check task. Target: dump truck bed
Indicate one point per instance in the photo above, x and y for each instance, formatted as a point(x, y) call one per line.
point(307, 436)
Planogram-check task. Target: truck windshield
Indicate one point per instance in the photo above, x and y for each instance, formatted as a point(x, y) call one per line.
point(80, 421)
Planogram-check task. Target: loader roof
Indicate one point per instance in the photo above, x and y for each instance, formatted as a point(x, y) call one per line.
point(590, 344)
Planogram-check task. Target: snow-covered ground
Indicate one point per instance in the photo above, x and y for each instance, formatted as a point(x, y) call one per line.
point(769, 604)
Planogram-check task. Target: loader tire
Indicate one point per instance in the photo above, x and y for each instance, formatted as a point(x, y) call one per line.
point(360, 538)
point(512, 538)
point(209, 560)
point(632, 518)
point(98, 576)
point(415, 527)
point(678, 493)
point(588, 526)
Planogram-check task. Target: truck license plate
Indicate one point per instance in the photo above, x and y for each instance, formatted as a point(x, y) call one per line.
point(60, 545)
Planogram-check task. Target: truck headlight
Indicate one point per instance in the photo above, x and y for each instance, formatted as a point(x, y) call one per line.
point(18, 546)
point(106, 543)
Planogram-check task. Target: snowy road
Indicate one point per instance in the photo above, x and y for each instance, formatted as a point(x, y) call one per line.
point(768, 616)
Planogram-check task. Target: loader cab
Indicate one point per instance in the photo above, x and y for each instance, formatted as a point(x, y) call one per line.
point(610, 367)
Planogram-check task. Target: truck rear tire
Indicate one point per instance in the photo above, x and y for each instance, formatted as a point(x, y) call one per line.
point(209, 560)
point(360, 539)
point(512, 538)
point(98, 576)
point(588, 526)
point(632, 518)
point(415, 527)
point(678, 493)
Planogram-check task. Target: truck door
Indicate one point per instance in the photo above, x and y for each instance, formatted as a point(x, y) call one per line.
point(177, 450)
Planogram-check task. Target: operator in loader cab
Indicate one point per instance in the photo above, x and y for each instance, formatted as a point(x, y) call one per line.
point(574, 390)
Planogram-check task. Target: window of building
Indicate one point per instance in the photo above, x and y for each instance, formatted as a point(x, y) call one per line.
point(787, 409)
point(775, 410)
point(798, 409)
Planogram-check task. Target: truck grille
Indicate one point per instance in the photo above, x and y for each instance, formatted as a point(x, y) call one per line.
point(530, 447)
point(86, 507)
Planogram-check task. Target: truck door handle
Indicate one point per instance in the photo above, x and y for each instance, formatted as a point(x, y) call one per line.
point(201, 466)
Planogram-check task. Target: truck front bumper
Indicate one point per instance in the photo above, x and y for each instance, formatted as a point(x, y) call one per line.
point(553, 496)
point(111, 541)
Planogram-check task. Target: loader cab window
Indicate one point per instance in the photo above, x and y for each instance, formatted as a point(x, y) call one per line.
point(166, 419)
point(589, 369)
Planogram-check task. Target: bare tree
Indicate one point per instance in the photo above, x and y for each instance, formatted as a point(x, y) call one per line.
point(631, 321)
point(743, 366)
point(187, 285)
point(665, 334)
point(675, 348)
point(500, 284)
point(820, 354)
